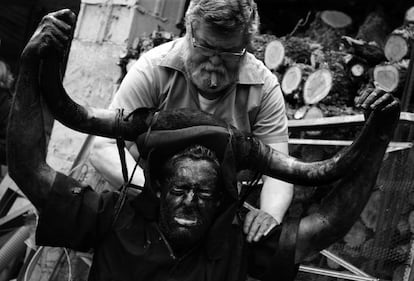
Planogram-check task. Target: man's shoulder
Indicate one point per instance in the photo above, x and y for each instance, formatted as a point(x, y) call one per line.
point(253, 71)
point(159, 53)
point(167, 55)
point(252, 60)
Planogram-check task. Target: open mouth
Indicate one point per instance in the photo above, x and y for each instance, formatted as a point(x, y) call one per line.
point(185, 221)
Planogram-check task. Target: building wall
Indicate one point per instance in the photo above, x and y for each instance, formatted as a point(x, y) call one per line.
point(104, 29)
point(90, 79)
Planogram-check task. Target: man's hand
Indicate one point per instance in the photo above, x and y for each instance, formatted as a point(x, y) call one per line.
point(257, 224)
point(53, 34)
point(376, 100)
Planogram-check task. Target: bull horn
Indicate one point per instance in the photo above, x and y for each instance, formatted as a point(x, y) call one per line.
point(105, 122)
point(373, 139)
point(250, 152)
point(94, 121)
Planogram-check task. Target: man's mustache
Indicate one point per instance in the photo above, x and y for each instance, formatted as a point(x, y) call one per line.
point(209, 68)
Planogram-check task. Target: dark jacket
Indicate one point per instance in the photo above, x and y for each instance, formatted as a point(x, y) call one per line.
point(134, 249)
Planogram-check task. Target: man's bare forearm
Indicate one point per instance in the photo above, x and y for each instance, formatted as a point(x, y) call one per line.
point(276, 197)
point(105, 159)
point(26, 141)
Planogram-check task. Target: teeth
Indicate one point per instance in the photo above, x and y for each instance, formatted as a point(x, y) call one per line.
point(185, 222)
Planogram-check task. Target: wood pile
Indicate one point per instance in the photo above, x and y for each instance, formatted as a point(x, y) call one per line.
point(328, 28)
point(329, 63)
point(321, 77)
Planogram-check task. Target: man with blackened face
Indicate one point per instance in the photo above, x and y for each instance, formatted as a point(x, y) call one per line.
point(210, 69)
point(194, 230)
point(190, 190)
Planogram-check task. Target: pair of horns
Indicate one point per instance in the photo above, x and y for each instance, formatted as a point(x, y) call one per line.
point(250, 152)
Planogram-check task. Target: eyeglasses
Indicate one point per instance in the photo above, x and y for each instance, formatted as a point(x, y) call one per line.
point(209, 52)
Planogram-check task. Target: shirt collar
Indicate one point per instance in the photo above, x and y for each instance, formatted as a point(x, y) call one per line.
point(174, 57)
point(249, 70)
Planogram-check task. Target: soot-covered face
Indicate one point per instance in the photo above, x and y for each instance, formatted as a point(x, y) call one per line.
point(189, 201)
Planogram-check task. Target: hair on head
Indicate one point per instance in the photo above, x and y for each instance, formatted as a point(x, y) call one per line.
point(227, 15)
point(195, 152)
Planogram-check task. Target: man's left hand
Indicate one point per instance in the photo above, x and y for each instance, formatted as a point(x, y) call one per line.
point(376, 99)
point(257, 224)
point(52, 34)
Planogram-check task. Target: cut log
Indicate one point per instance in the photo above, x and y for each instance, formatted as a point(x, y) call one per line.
point(375, 28)
point(371, 52)
point(397, 46)
point(286, 51)
point(274, 54)
point(300, 113)
point(369, 215)
point(259, 44)
point(344, 86)
point(318, 86)
point(328, 27)
point(357, 70)
point(314, 112)
point(293, 81)
point(356, 236)
point(409, 16)
point(403, 227)
point(391, 77)
point(330, 263)
point(336, 19)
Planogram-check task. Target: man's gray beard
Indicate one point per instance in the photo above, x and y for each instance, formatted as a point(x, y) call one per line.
point(222, 75)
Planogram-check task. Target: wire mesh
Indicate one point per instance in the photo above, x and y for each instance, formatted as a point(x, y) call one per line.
point(380, 242)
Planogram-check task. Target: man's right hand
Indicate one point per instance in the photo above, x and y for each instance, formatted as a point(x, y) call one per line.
point(52, 34)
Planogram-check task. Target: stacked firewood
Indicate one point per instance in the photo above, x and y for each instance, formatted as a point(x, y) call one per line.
point(321, 72)
point(391, 75)
point(327, 65)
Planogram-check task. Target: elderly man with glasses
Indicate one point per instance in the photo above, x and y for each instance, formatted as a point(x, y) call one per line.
point(187, 222)
point(209, 69)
